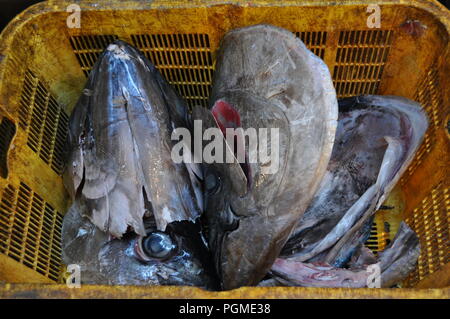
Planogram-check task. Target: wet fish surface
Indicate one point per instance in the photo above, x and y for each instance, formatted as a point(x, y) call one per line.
point(134, 219)
point(119, 147)
point(265, 78)
point(176, 256)
point(376, 139)
point(394, 264)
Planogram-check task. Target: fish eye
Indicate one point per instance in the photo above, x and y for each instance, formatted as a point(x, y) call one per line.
point(212, 183)
point(158, 245)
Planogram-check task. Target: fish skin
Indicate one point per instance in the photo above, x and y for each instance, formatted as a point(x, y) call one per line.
point(291, 272)
point(271, 282)
point(224, 225)
point(400, 257)
point(376, 139)
point(116, 262)
point(395, 262)
point(126, 112)
point(343, 256)
point(362, 257)
point(250, 219)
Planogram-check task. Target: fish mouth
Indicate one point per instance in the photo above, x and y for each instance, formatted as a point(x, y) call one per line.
point(230, 259)
point(229, 223)
point(243, 255)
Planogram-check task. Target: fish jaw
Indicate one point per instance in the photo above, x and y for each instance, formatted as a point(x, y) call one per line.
point(245, 237)
point(240, 268)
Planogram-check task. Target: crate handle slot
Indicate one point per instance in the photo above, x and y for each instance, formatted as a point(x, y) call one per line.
point(448, 126)
point(7, 133)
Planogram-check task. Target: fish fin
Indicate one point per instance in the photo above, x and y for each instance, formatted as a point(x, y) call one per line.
point(404, 239)
point(99, 179)
point(392, 160)
point(196, 177)
point(73, 174)
point(73, 148)
point(362, 257)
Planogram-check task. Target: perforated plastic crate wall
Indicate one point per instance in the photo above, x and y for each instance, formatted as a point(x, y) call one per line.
point(44, 65)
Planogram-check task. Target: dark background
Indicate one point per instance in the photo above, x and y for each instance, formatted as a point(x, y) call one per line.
point(10, 8)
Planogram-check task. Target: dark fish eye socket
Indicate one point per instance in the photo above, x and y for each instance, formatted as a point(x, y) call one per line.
point(231, 220)
point(212, 183)
point(158, 245)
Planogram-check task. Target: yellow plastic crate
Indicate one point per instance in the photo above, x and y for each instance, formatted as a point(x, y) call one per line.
point(44, 65)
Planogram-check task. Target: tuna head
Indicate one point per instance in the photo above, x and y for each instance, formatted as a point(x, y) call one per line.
point(119, 150)
point(266, 82)
point(244, 227)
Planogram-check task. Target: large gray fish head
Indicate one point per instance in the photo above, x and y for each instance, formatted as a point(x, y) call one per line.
point(120, 172)
point(175, 256)
point(240, 196)
point(265, 79)
point(119, 148)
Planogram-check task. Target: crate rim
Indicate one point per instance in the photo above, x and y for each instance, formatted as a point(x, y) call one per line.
point(51, 291)
point(439, 11)
point(433, 7)
point(13, 290)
